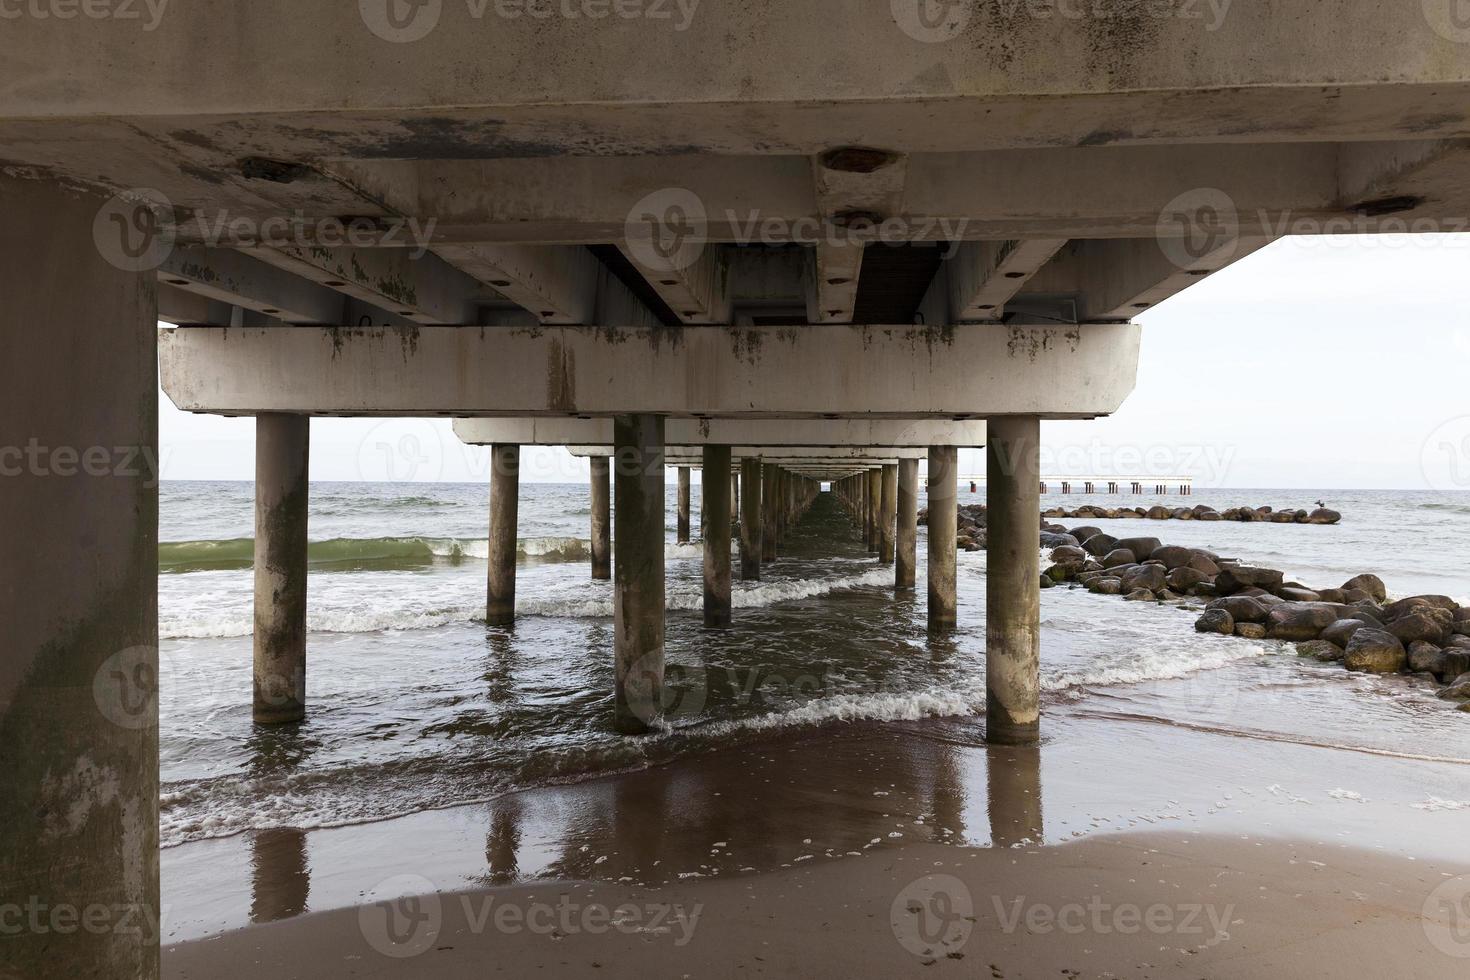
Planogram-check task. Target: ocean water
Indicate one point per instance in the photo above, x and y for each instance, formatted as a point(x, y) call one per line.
point(415, 704)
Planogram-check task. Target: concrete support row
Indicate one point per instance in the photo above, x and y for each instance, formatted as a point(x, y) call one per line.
point(282, 460)
point(715, 507)
point(505, 478)
point(943, 526)
point(752, 511)
point(638, 571)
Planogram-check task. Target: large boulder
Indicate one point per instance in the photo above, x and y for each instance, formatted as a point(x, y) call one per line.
point(1084, 532)
point(1140, 595)
point(1250, 631)
point(1151, 577)
point(1068, 553)
point(1319, 650)
point(1099, 544)
point(1185, 579)
point(1051, 539)
point(1417, 626)
point(1119, 556)
point(1323, 515)
point(1414, 602)
point(1158, 513)
point(1205, 564)
point(1342, 631)
point(1233, 578)
point(1172, 556)
point(1459, 689)
point(1371, 584)
point(1215, 621)
point(1242, 609)
point(1142, 548)
point(1426, 658)
point(1456, 662)
point(1105, 585)
point(1299, 621)
point(1375, 652)
point(1296, 594)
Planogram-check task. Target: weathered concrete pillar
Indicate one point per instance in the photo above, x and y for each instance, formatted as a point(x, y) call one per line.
point(683, 505)
point(768, 513)
point(875, 509)
point(282, 459)
point(943, 526)
point(889, 513)
point(601, 519)
point(79, 582)
point(907, 557)
point(505, 491)
point(715, 505)
point(1013, 581)
point(638, 584)
point(734, 493)
point(750, 520)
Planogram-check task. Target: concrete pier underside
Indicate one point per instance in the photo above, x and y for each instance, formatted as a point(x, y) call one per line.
point(1083, 169)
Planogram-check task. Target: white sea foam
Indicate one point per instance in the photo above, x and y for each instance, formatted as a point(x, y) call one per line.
point(1436, 805)
point(1159, 660)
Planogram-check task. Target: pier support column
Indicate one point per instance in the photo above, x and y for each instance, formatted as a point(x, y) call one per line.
point(715, 505)
point(907, 552)
point(1013, 582)
point(768, 513)
point(282, 458)
point(943, 527)
point(638, 584)
point(78, 584)
point(750, 520)
point(505, 490)
point(601, 519)
point(683, 533)
point(889, 513)
point(874, 501)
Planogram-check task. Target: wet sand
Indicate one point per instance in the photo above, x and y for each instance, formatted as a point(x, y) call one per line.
point(1156, 904)
point(1125, 847)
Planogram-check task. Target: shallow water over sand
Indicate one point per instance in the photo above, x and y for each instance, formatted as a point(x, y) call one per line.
point(416, 705)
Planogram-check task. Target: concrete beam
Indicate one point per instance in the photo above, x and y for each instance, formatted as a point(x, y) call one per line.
point(667, 245)
point(735, 372)
point(833, 276)
point(1120, 278)
point(873, 433)
point(234, 277)
point(983, 276)
point(422, 288)
point(556, 284)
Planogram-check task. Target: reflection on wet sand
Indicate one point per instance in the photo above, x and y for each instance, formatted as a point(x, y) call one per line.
point(760, 808)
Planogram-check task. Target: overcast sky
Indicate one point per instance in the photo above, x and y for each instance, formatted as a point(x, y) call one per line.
point(1328, 362)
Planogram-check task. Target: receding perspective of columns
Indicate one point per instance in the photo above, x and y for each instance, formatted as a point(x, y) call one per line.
point(1012, 581)
point(638, 583)
point(943, 526)
point(683, 505)
point(751, 545)
point(907, 552)
point(601, 519)
point(282, 459)
point(505, 490)
point(715, 508)
point(78, 590)
point(889, 513)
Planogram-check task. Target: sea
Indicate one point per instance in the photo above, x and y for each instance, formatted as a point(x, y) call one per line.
point(415, 705)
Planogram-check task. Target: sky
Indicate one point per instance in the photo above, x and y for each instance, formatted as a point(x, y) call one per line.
point(1324, 362)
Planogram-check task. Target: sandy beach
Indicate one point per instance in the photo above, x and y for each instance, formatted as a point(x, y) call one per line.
point(865, 851)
